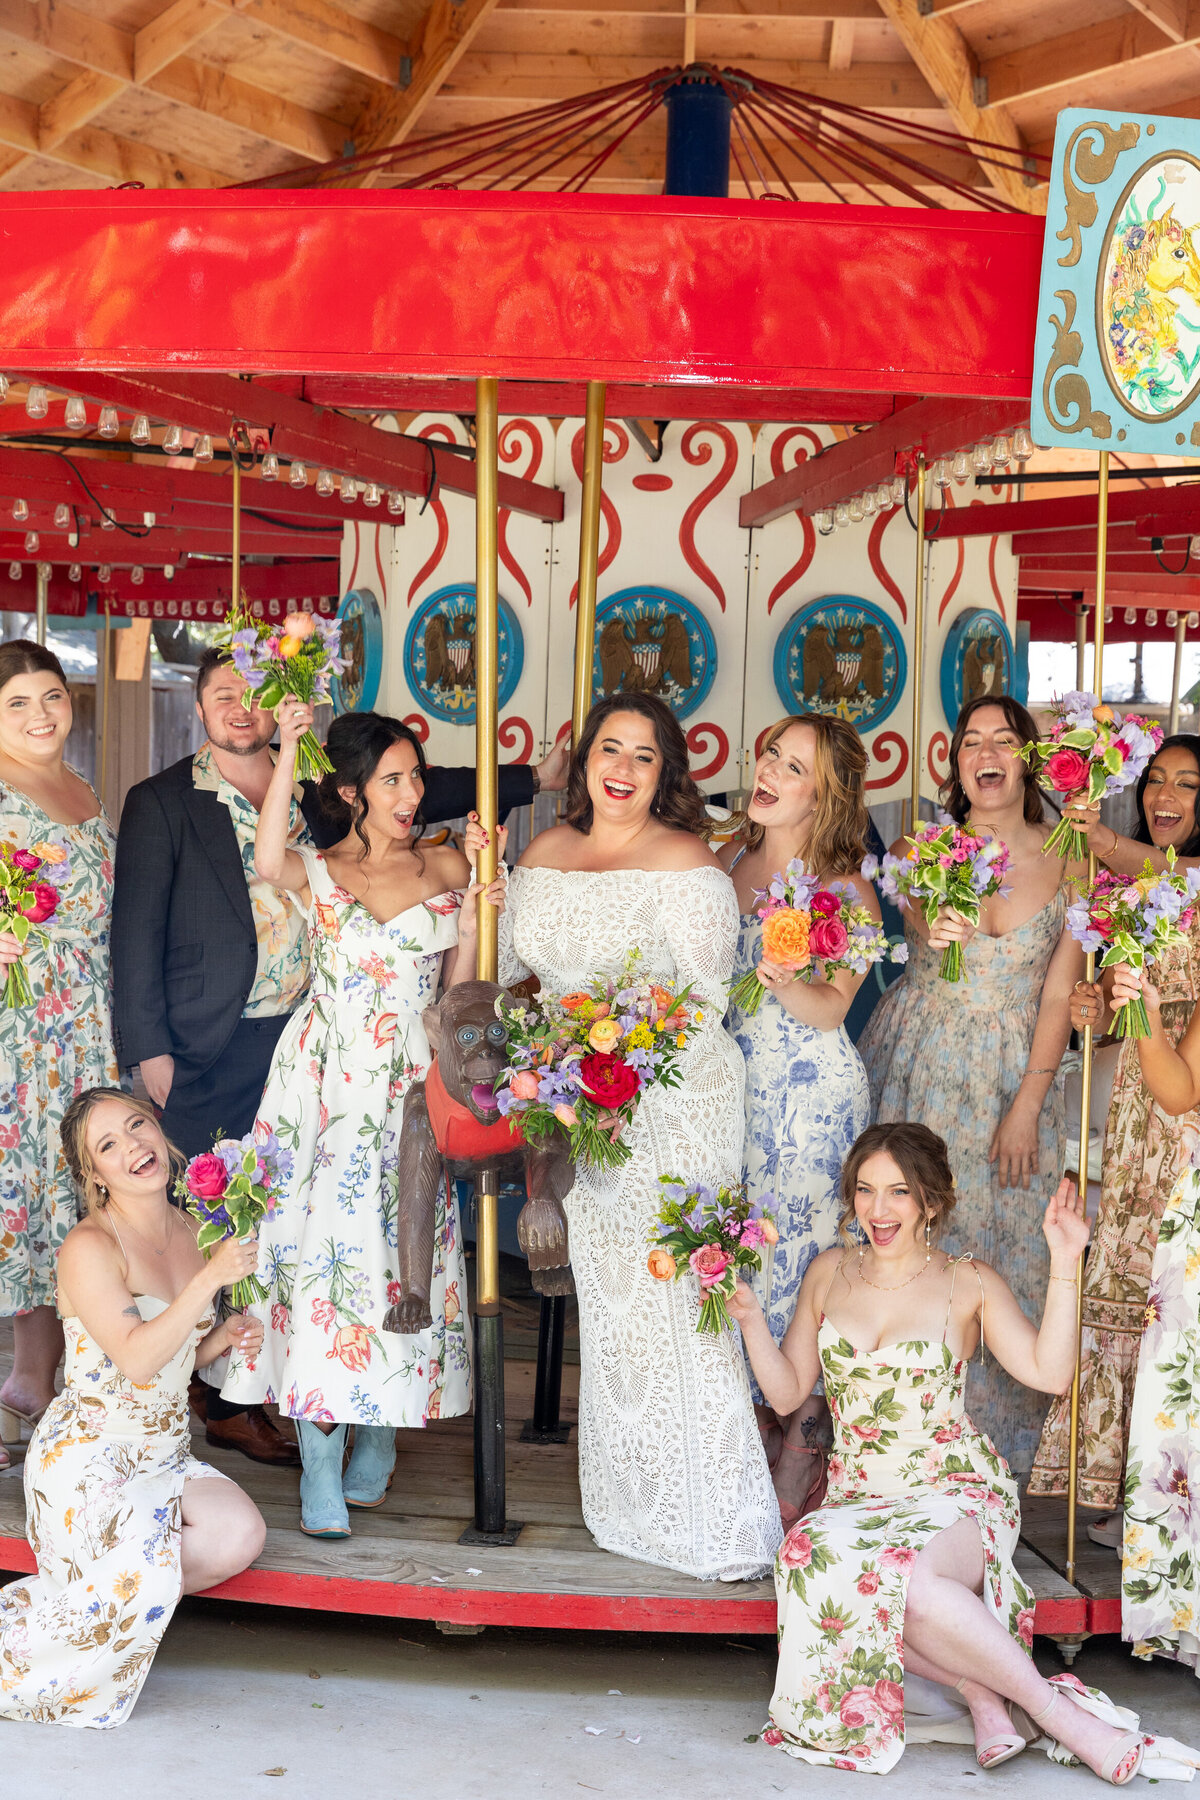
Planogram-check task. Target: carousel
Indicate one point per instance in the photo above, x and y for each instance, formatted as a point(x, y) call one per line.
point(754, 458)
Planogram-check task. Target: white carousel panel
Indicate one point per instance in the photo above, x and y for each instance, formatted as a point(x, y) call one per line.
point(671, 589)
point(430, 616)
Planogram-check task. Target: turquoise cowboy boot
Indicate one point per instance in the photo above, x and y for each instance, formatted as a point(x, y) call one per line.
point(322, 1508)
point(369, 1472)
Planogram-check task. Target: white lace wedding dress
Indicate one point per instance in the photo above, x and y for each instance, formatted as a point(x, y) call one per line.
point(671, 1465)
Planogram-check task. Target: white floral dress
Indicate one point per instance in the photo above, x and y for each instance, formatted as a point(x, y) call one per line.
point(334, 1098)
point(907, 1463)
point(53, 1050)
point(104, 1479)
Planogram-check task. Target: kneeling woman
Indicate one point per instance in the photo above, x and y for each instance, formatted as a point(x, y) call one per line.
point(908, 1564)
point(121, 1517)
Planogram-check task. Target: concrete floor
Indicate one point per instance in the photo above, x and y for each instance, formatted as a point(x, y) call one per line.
point(243, 1701)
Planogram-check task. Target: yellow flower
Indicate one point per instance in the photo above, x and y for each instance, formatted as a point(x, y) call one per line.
point(1192, 1266)
point(680, 1040)
point(658, 1025)
point(126, 1586)
point(604, 1036)
point(1133, 1534)
point(1165, 1422)
point(640, 1038)
point(1139, 1560)
point(1181, 1619)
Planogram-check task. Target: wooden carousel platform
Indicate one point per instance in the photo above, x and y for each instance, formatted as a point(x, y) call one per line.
point(404, 1560)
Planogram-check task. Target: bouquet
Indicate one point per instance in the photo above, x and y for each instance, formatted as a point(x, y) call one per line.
point(26, 903)
point(230, 1189)
point(300, 658)
point(1090, 754)
point(946, 866)
point(714, 1232)
point(579, 1063)
point(1134, 922)
point(806, 926)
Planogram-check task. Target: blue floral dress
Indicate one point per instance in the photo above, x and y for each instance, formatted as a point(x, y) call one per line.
point(807, 1099)
point(53, 1050)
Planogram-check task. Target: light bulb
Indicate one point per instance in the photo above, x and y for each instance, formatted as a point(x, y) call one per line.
point(169, 574)
point(1193, 621)
point(32, 542)
point(395, 501)
point(325, 484)
point(110, 424)
point(825, 521)
point(139, 431)
point(270, 466)
point(981, 459)
point(14, 571)
point(372, 494)
point(1108, 615)
point(20, 511)
point(1172, 618)
point(44, 571)
point(107, 522)
point(841, 513)
point(137, 575)
point(941, 472)
point(37, 402)
point(868, 503)
point(1022, 444)
point(349, 489)
point(62, 517)
point(298, 475)
point(856, 509)
point(899, 490)
point(76, 414)
point(1152, 615)
point(172, 440)
point(3, 389)
point(1130, 615)
point(75, 572)
point(1002, 452)
point(203, 451)
point(960, 467)
point(883, 497)
point(104, 572)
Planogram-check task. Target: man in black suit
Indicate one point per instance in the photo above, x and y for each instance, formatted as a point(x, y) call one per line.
point(209, 960)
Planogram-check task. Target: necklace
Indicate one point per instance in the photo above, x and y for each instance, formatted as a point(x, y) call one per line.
point(130, 1226)
point(878, 1285)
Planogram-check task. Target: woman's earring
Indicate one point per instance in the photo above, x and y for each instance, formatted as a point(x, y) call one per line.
point(928, 1242)
point(102, 1190)
point(862, 1241)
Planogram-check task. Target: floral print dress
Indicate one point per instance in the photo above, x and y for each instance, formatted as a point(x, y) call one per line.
point(104, 1479)
point(327, 1255)
point(1160, 1576)
point(907, 1463)
point(53, 1050)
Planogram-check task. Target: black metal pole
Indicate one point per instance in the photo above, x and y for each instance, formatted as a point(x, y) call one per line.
point(544, 1427)
point(491, 1524)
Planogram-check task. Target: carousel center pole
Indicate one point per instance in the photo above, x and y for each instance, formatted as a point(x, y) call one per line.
point(918, 661)
point(42, 615)
point(490, 1520)
point(1085, 1097)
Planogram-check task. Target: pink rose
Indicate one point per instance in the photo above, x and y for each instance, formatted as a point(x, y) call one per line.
point(206, 1177)
point(832, 1623)
point(827, 939)
point(825, 905)
point(25, 859)
point(773, 1736)
point(868, 1433)
point(1067, 771)
point(709, 1263)
point(324, 1314)
point(796, 1550)
point(890, 1696)
point(45, 903)
point(859, 1707)
point(868, 1582)
point(1025, 1626)
point(525, 1085)
point(898, 1560)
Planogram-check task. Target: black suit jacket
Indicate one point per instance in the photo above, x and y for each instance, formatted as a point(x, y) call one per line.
point(184, 950)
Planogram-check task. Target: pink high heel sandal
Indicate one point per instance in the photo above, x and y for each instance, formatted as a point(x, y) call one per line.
point(1124, 1759)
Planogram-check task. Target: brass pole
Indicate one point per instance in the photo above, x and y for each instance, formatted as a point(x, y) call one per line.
point(1080, 644)
point(1085, 1095)
point(106, 677)
point(235, 573)
point(42, 615)
point(1177, 674)
point(487, 1292)
point(918, 659)
point(589, 552)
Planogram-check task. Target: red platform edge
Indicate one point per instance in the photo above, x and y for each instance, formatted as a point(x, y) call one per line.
point(1067, 1617)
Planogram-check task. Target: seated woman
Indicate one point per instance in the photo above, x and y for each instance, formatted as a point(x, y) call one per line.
point(908, 1564)
point(121, 1517)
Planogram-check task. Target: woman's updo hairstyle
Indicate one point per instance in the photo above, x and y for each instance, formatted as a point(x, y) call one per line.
point(79, 1157)
point(355, 745)
point(920, 1155)
point(677, 801)
point(22, 657)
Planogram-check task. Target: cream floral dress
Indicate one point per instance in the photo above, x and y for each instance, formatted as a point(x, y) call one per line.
point(104, 1479)
point(907, 1463)
point(53, 1050)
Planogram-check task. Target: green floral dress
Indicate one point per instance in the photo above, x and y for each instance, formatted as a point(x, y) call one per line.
point(907, 1463)
point(1160, 1579)
point(53, 1050)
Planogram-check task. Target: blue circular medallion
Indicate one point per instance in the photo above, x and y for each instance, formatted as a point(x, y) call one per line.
point(439, 654)
point(356, 689)
point(842, 657)
point(977, 661)
point(650, 640)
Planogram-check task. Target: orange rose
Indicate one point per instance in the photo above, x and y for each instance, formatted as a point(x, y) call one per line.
point(289, 647)
point(785, 938)
point(1103, 715)
point(770, 1234)
point(351, 1346)
point(605, 1035)
point(661, 1264)
point(574, 1002)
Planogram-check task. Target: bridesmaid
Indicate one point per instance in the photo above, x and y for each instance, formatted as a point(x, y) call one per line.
point(978, 1060)
point(51, 1051)
point(807, 1097)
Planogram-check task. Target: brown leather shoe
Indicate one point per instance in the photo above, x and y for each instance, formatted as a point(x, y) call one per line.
point(255, 1436)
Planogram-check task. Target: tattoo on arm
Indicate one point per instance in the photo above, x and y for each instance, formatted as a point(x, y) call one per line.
point(131, 1312)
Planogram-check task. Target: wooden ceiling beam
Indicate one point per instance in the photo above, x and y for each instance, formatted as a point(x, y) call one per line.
point(175, 30)
point(75, 105)
point(948, 64)
point(1094, 50)
point(445, 35)
point(1170, 15)
point(64, 31)
point(97, 152)
point(320, 26)
point(204, 88)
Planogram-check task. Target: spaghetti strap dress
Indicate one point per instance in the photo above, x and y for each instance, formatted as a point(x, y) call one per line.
point(907, 1463)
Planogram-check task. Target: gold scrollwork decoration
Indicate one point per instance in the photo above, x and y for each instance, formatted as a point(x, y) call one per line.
point(1061, 392)
point(1092, 166)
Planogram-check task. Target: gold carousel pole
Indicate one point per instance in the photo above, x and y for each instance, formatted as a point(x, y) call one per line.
point(490, 1521)
point(589, 552)
point(235, 572)
point(1177, 674)
point(1085, 1096)
point(1080, 643)
point(42, 615)
point(918, 660)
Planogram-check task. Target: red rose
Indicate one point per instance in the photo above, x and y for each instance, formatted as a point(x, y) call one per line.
point(25, 859)
point(890, 1696)
point(772, 1735)
point(825, 904)
point(1067, 771)
point(796, 1550)
point(827, 939)
point(207, 1177)
point(45, 903)
point(608, 1080)
point(859, 1707)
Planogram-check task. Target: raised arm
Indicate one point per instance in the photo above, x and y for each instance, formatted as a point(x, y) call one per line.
point(272, 858)
point(1172, 1075)
point(1042, 1357)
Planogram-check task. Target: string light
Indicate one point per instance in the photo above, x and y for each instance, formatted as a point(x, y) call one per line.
point(1022, 444)
point(841, 513)
point(372, 494)
point(1002, 452)
point(1152, 615)
point(139, 431)
point(20, 511)
point(104, 572)
point(137, 575)
point(76, 414)
point(883, 497)
point(204, 450)
point(349, 489)
point(298, 476)
point(960, 468)
point(1130, 615)
point(37, 402)
point(941, 473)
point(32, 543)
point(62, 516)
point(395, 502)
point(856, 509)
point(172, 440)
point(110, 424)
point(981, 459)
point(868, 503)
point(825, 521)
point(270, 466)
point(14, 571)
point(325, 484)
point(75, 572)
point(169, 572)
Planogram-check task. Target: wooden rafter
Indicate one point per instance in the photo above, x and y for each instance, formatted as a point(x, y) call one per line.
point(1084, 55)
point(1171, 15)
point(943, 56)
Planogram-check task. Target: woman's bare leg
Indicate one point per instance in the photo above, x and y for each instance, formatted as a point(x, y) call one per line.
point(223, 1532)
point(796, 1469)
point(37, 1350)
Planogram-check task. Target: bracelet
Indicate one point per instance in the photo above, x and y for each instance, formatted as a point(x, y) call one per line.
point(1113, 845)
point(1046, 1071)
point(1071, 1280)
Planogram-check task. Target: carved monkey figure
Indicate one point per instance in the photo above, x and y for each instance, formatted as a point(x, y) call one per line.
point(451, 1124)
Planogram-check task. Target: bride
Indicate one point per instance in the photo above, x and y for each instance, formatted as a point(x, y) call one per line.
point(672, 1469)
